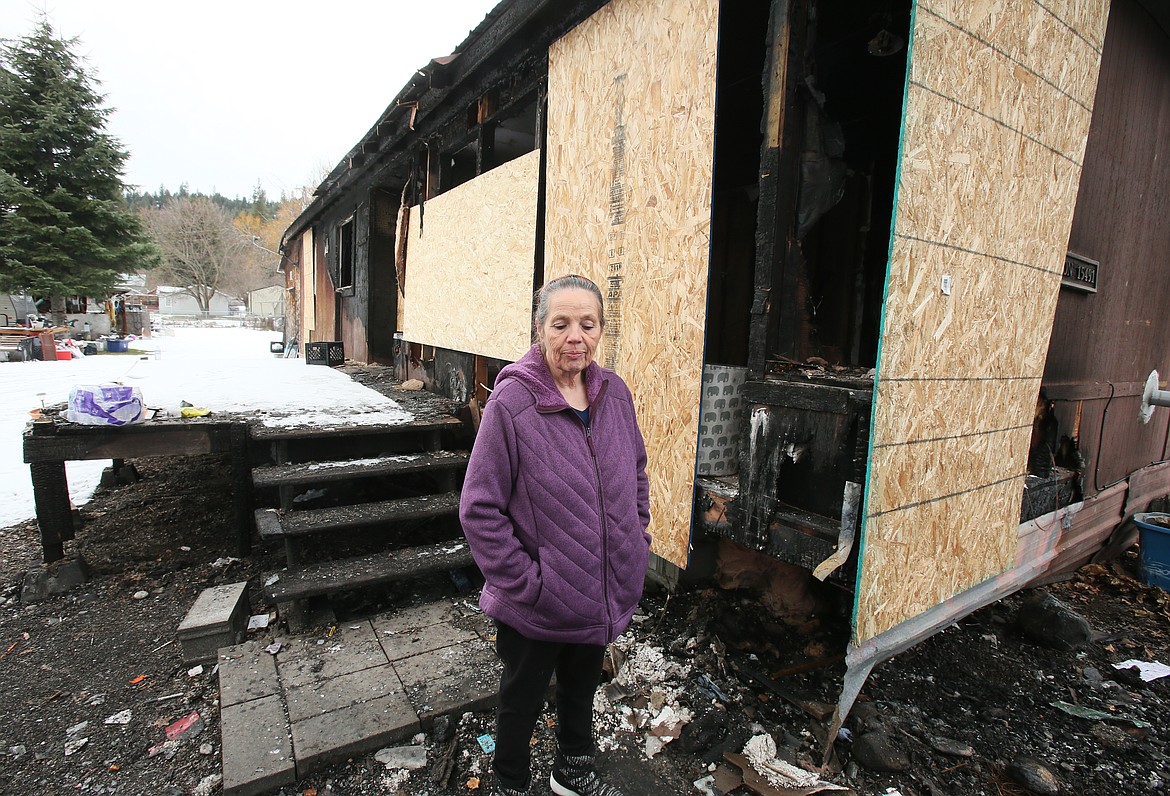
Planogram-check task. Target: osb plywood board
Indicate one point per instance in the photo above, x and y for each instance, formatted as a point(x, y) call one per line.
point(1086, 17)
point(965, 67)
point(900, 584)
point(983, 329)
point(1053, 47)
point(308, 284)
point(924, 409)
point(971, 182)
point(936, 469)
point(997, 114)
point(469, 268)
point(631, 113)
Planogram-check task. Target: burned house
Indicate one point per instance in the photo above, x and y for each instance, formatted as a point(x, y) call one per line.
point(920, 245)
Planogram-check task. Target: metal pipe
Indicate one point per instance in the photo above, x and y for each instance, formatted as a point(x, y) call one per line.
point(1151, 397)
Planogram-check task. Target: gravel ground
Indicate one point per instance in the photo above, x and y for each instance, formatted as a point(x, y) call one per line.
point(958, 712)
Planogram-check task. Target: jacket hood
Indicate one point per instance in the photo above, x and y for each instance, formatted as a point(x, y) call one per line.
point(532, 371)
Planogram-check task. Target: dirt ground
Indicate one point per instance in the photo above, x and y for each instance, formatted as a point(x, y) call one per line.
point(956, 711)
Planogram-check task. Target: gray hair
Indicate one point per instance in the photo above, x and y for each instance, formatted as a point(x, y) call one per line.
point(544, 296)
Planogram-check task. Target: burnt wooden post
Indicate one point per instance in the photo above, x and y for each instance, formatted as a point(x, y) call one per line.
point(292, 548)
point(775, 282)
point(50, 496)
point(241, 475)
point(54, 512)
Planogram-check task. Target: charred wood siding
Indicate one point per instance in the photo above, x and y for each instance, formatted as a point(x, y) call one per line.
point(452, 374)
point(775, 228)
point(383, 306)
point(1104, 344)
point(803, 443)
point(343, 309)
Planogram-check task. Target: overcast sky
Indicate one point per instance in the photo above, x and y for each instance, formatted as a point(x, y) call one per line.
point(221, 94)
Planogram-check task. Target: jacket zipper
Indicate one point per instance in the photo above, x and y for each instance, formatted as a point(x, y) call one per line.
point(604, 534)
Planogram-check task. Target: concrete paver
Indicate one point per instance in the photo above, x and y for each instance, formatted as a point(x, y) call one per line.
point(352, 647)
point(370, 683)
point(246, 672)
point(456, 694)
point(419, 616)
point(362, 727)
point(342, 691)
point(401, 644)
point(463, 659)
point(257, 749)
point(216, 620)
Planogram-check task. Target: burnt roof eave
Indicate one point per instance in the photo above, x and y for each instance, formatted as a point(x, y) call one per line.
point(334, 183)
point(466, 61)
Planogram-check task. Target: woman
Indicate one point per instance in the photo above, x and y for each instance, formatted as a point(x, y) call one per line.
point(555, 507)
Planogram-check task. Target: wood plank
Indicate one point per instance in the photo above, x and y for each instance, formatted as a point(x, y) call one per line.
point(74, 443)
point(806, 395)
point(325, 472)
point(305, 523)
point(271, 434)
point(356, 573)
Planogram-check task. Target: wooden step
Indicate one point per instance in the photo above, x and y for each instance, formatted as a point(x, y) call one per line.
point(356, 573)
point(275, 434)
point(324, 472)
point(274, 524)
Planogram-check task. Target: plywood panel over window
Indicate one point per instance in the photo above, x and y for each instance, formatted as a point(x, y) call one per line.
point(631, 120)
point(308, 285)
point(469, 264)
point(998, 103)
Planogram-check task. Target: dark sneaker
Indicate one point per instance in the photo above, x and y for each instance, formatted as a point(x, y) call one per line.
point(575, 776)
point(500, 790)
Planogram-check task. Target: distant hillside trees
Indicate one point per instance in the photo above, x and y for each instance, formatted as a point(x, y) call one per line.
point(257, 204)
point(64, 225)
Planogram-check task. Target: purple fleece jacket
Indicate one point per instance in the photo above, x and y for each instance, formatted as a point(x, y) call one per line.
point(556, 513)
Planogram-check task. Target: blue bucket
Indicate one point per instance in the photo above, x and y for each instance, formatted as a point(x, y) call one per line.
point(1155, 549)
point(117, 346)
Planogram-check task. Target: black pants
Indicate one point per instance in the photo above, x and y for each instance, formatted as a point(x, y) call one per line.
point(528, 668)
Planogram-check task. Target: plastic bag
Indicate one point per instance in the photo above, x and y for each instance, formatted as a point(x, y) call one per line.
point(105, 405)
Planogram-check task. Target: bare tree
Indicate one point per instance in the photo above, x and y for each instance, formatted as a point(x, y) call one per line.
point(200, 246)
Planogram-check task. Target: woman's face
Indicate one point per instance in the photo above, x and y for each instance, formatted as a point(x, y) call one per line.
point(570, 333)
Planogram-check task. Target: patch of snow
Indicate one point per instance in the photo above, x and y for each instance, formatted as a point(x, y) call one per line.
point(221, 369)
point(362, 462)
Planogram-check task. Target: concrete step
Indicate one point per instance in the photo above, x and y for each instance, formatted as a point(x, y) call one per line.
point(274, 524)
point(356, 573)
point(272, 434)
point(328, 471)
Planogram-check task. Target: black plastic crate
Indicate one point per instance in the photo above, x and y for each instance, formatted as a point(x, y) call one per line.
point(330, 353)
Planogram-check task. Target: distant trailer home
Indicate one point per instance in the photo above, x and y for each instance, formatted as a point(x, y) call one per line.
point(267, 302)
point(178, 302)
point(886, 307)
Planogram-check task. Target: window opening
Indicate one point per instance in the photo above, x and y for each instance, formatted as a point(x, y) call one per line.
point(345, 255)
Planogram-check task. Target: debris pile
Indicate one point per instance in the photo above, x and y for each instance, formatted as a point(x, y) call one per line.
point(645, 695)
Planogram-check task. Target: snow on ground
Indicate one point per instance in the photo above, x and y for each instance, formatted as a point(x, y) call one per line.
point(224, 370)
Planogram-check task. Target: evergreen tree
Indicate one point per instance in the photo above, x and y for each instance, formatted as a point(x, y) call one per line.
point(64, 225)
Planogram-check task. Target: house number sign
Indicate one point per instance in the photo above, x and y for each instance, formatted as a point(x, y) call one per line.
point(1080, 273)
